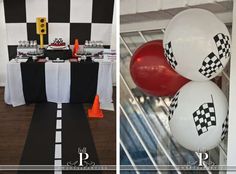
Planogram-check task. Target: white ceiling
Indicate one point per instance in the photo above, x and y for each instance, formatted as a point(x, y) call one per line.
point(142, 15)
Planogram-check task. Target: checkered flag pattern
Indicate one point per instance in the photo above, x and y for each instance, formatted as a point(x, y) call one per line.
point(204, 117)
point(170, 55)
point(66, 19)
point(210, 65)
point(223, 45)
point(173, 105)
point(224, 128)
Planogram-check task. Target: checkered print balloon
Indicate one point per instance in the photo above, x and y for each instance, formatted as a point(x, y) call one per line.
point(224, 128)
point(173, 105)
point(198, 116)
point(195, 49)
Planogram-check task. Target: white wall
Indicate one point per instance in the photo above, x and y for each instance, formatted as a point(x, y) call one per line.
point(113, 32)
point(3, 46)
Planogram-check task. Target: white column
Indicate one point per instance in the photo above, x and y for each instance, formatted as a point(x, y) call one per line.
point(232, 98)
point(3, 46)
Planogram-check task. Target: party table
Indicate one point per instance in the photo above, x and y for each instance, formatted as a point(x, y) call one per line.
point(66, 82)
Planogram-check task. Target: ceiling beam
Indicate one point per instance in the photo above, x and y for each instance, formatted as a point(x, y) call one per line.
point(153, 24)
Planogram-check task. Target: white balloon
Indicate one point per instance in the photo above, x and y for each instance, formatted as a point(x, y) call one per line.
point(195, 36)
point(198, 119)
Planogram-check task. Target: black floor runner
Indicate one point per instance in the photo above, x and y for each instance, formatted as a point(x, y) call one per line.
point(40, 143)
point(76, 134)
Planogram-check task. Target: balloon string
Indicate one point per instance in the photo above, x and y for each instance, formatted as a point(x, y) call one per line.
point(212, 99)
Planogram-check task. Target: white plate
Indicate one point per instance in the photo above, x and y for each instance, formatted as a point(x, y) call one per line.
point(57, 47)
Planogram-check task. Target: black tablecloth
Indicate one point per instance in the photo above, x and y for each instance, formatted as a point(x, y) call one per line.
point(33, 80)
point(83, 82)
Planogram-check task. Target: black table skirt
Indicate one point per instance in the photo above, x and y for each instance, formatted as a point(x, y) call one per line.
point(83, 82)
point(83, 88)
point(33, 80)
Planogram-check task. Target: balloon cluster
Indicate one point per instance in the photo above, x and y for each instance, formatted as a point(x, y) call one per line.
point(197, 48)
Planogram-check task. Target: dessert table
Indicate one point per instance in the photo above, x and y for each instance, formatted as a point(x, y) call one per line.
point(57, 81)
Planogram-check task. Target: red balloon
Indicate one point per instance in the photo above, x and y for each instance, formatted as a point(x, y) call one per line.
point(151, 72)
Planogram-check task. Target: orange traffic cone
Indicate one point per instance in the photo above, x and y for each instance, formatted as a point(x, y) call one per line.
point(95, 112)
point(76, 48)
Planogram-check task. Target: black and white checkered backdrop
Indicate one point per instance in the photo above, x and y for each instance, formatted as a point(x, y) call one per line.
point(68, 19)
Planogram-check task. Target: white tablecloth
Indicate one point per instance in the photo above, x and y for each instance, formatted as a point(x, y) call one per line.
point(57, 79)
